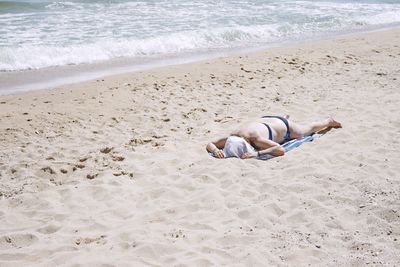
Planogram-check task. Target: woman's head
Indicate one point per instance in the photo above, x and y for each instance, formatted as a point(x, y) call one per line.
point(235, 146)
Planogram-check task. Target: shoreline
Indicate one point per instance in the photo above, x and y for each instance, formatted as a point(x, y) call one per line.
point(20, 82)
point(114, 171)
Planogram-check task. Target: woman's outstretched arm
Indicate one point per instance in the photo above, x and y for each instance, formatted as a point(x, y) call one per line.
point(266, 147)
point(216, 146)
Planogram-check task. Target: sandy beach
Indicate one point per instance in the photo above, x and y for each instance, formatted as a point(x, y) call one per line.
point(114, 172)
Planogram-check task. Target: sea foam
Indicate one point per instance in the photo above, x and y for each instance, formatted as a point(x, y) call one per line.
point(39, 34)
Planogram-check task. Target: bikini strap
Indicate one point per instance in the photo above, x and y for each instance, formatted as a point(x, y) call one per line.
point(285, 121)
point(269, 131)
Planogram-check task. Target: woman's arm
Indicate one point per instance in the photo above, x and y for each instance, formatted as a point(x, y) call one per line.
point(216, 146)
point(276, 151)
point(267, 147)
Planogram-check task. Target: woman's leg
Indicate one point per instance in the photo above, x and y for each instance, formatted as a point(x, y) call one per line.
point(300, 130)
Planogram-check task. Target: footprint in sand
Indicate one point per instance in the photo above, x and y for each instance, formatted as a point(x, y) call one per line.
point(88, 240)
point(17, 240)
point(117, 158)
point(48, 170)
point(78, 166)
point(91, 176)
point(106, 150)
point(49, 229)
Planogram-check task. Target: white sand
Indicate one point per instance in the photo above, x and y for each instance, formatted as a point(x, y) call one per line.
point(156, 198)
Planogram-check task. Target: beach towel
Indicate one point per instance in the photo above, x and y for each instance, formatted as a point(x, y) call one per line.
point(292, 144)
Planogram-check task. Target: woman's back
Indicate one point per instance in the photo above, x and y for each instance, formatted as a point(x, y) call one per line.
point(259, 129)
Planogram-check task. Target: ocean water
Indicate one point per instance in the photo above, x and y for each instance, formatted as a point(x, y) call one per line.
point(36, 34)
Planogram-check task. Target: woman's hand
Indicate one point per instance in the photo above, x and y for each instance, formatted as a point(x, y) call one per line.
point(248, 155)
point(215, 148)
point(218, 154)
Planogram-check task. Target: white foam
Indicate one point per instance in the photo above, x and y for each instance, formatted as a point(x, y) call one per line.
point(383, 18)
point(76, 32)
point(35, 57)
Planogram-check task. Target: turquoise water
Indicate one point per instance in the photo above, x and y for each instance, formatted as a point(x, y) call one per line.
point(36, 34)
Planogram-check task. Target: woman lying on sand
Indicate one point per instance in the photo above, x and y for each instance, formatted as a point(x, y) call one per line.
point(264, 136)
